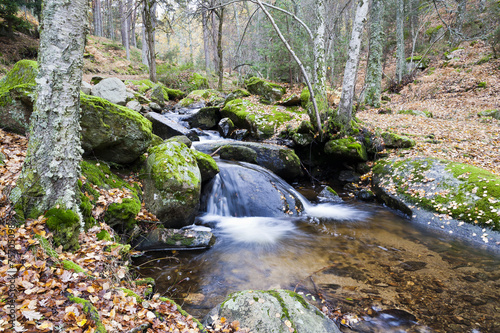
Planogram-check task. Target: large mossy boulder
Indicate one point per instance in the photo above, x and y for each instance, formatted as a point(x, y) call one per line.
point(448, 190)
point(279, 159)
point(393, 140)
point(269, 91)
point(17, 96)
point(198, 81)
point(346, 150)
point(490, 113)
point(143, 86)
point(112, 132)
point(119, 214)
point(238, 93)
point(272, 311)
point(246, 115)
point(172, 184)
point(159, 94)
point(111, 89)
point(206, 97)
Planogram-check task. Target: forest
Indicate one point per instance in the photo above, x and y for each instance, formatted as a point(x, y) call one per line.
point(245, 166)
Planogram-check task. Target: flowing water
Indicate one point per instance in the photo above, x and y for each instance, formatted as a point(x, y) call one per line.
point(355, 257)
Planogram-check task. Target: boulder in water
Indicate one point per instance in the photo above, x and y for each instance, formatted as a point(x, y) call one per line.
point(225, 127)
point(205, 118)
point(174, 239)
point(281, 160)
point(172, 184)
point(208, 97)
point(208, 166)
point(166, 128)
point(329, 195)
point(238, 153)
point(347, 149)
point(272, 311)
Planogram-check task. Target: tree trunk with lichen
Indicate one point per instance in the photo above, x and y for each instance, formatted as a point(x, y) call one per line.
point(400, 41)
point(219, 49)
point(48, 181)
point(149, 21)
point(344, 115)
point(319, 61)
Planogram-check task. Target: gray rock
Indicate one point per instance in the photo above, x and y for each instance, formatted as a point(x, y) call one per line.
point(238, 153)
point(293, 100)
point(159, 94)
point(240, 134)
point(268, 90)
point(165, 128)
point(135, 105)
point(225, 127)
point(172, 184)
point(162, 239)
point(155, 107)
point(280, 160)
point(458, 199)
point(272, 311)
point(86, 88)
point(205, 118)
point(329, 195)
point(349, 176)
point(111, 89)
point(207, 165)
point(181, 139)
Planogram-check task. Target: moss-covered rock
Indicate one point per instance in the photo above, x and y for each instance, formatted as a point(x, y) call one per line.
point(207, 165)
point(143, 86)
point(65, 225)
point(198, 81)
point(244, 114)
point(272, 311)
point(119, 215)
point(490, 113)
point(454, 190)
point(418, 59)
point(2, 158)
point(238, 93)
point(418, 113)
point(238, 153)
point(17, 96)
point(347, 149)
point(159, 94)
point(172, 184)
point(163, 239)
point(305, 96)
point(208, 97)
point(180, 139)
point(393, 140)
point(268, 90)
point(155, 140)
point(111, 132)
point(281, 160)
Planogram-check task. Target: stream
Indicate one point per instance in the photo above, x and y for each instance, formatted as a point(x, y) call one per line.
point(355, 258)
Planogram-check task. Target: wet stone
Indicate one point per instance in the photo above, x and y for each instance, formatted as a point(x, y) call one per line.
point(413, 265)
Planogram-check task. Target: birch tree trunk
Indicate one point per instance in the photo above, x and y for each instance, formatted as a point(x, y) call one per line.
point(400, 42)
point(373, 78)
point(124, 27)
point(48, 180)
point(459, 21)
point(149, 21)
point(351, 68)
point(97, 14)
point(319, 60)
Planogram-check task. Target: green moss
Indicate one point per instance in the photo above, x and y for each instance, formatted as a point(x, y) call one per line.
point(70, 265)
point(490, 113)
point(305, 96)
point(347, 148)
point(156, 140)
point(23, 72)
point(104, 235)
point(198, 81)
point(184, 313)
point(236, 110)
point(130, 293)
point(484, 60)
point(417, 113)
point(393, 140)
point(331, 190)
point(481, 85)
point(65, 225)
point(123, 213)
point(89, 309)
point(206, 163)
point(47, 246)
point(432, 31)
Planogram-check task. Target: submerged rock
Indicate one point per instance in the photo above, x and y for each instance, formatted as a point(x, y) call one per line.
point(281, 160)
point(272, 311)
point(172, 184)
point(329, 195)
point(172, 239)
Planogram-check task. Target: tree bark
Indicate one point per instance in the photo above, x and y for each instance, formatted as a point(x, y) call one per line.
point(459, 21)
point(400, 42)
point(51, 168)
point(124, 27)
point(319, 60)
point(97, 15)
point(373, 78)
point(149, 21)
point(133, 15)
point(206, 46)
point(350, 72)
point(219, 49)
